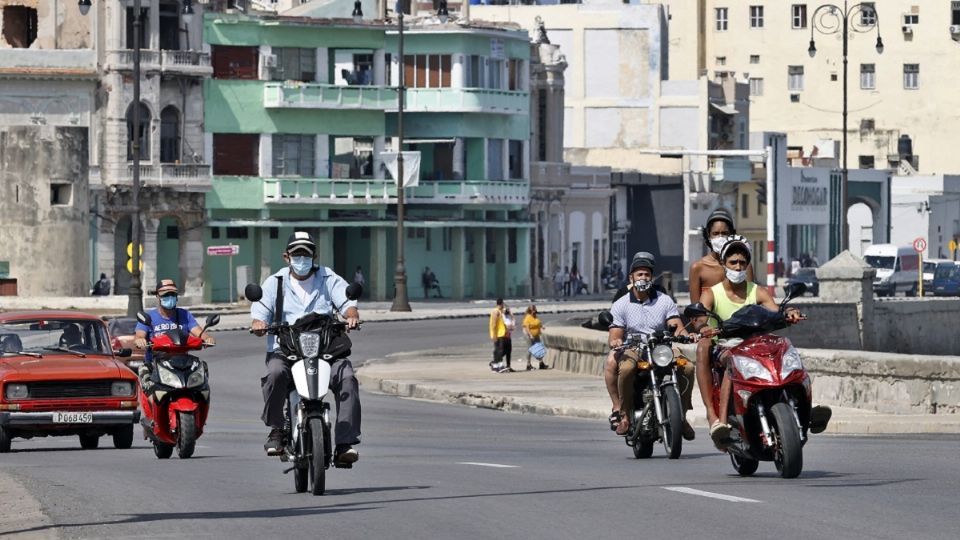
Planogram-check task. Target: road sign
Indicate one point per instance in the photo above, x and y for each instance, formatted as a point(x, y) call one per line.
point(130, 249)
point(130, 265)
point(952, 246)
point(920, 245)
point(225, 251)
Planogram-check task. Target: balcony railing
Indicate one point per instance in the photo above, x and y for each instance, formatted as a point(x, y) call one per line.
point(293, 95)
point(483, 100)
point(185, 176)
point(122, 60)
point(372, 191)
point(186, 63)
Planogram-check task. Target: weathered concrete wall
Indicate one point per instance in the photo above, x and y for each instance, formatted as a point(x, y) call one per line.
point(888, 383)
point(45, 243)
point(59, 24)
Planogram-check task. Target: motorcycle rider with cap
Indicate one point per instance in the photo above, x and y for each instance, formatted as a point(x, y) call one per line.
point(307, 288)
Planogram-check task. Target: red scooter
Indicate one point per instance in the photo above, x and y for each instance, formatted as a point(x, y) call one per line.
point(772, 414)
point(177, 400)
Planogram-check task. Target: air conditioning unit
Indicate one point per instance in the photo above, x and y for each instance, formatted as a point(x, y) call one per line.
point(907, 29)
point(955, 29)
point(270, 60)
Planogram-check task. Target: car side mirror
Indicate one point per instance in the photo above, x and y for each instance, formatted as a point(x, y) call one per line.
point(253, 292)
point(123, 353)
point(354, 291)
point(144, 319)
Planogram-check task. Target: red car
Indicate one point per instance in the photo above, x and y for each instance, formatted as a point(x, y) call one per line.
point(59, 376)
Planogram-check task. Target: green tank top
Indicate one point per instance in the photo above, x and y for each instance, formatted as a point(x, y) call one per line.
point(724, 307)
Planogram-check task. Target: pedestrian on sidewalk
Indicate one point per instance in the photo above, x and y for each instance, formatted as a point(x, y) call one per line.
point(566, 281)
point(498, 334)
point(558, 283)
point(426, 281)
point(532, 326)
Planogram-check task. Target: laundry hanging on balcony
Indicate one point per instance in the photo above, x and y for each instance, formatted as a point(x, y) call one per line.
point(411, 167)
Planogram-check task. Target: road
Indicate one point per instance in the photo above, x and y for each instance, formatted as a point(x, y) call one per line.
point(440, 471)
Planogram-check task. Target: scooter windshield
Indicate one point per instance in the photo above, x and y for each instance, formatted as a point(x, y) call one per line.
point(751, 320)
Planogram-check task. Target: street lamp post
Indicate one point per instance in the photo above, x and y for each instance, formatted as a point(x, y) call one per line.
point(401, 301)
point(831, 19)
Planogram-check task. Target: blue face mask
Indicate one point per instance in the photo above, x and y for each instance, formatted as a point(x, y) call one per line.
point(168, 302)
point(301, 266)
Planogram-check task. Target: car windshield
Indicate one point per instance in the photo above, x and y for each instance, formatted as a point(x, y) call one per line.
point(947, 271)
point(807, 273)
point(43, 335)
point(878, 261)
point(122, 327)
point(930, 267)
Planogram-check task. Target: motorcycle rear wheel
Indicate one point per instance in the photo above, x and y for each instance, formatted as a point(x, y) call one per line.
point(318, 466)
point(744, 466)
point(672, 427)
point(187, 435)
point(788, 454)
point(162, 450)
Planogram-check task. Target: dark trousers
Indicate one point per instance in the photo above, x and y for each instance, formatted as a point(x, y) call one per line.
point(502, 349)
point(277, 383)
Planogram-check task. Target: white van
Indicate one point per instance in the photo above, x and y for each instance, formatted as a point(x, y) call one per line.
point(896, 269)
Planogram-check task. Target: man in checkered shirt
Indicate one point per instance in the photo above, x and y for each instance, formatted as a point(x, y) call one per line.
point(643, 311)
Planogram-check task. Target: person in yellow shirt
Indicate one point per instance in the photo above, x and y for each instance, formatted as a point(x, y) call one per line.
point(500, 337)
point(532, 326)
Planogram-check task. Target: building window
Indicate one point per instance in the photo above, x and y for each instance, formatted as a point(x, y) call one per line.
point(795, 78)
point(361, 72)
point(491, 247)
point(19, 26)
point(868, 76)
point(756, 16)
point(955, 13)
point(515, 158)
point(799, 18)
point(172, 232)
point(144, 28)
point(234, 62)
point(756, 87)
point(721, 60)
point(215, 233)
point(515, 75)
point(911, 76)
point(744, 206)
point(754, 58)
point(294, 64)
point(427, 71)
point(494, 73)
point(494, 159)
point(868, 14)
point(169, 135)
point(352, 158)
point(235, 154)
point(542, 124)
point(511, 245)
point(447, 239)
point(475, 71)
point(169, 26)
point(144, 132)
point(61, 194)
point(721, 16)
point(274, 233)
point(911, 18)
point(237, 233)
point(293, 155)
point(866, 162)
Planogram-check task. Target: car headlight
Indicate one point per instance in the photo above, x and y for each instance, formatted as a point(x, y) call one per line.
point(309, 344)
point(169, 378)
point(121, 389)
point(197, 377)
point(662, 355)
point(791, 362)
point(16, 391)
point(751, 369)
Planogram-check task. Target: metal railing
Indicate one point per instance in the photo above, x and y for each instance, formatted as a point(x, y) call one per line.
point(295, 95)
point(165, 174)
point(483, 100)
point(375, 191)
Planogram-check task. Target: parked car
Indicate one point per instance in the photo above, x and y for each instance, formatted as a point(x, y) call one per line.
point(122, 334)
point(946, 280)
point(59, 376)
point(930, 267)
point(807, 276)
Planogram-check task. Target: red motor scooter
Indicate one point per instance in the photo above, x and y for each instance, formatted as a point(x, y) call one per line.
point(176, 404)
point(772, 414)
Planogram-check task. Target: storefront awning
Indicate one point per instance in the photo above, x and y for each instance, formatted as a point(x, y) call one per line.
point(725, 109)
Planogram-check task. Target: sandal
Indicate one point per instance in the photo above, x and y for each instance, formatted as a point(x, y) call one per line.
point(614, 419)
point(624, 426)
point(720, 433)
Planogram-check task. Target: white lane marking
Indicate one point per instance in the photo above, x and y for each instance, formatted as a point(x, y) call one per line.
point(494, 465)
point(721, 496)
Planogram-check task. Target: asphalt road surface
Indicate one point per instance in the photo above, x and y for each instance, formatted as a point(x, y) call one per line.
point(441, 471)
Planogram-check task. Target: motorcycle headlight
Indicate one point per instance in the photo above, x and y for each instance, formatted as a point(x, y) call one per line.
point(197, 377)
point(662, 355)
point(16, 391)
point(121, 389)
point(791, 362)
point(169, 378)
point(751, 369)
point(309, 344)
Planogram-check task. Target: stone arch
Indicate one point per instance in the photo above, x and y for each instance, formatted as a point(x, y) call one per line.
point(170, 141)
point(146, 116)
point(863, 217)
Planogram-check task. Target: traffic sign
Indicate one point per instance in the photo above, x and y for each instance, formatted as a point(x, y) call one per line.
point(130, 265)
point(952, 246)
point(228, 251)
point(920, 245)
point(130, 249)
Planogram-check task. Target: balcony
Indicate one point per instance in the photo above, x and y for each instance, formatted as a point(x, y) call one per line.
point(480, 100)
point(122, 60)
point(189, 63)
point(293, 95)
point(187, 177)
point(372, 191)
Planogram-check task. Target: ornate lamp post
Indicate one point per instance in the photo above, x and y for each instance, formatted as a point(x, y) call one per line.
point(401, 301)
point(832, 19)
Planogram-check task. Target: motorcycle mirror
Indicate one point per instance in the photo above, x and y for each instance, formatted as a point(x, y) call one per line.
point(695, 310)
point(605, 318)
point(144, 319)
point(796, 289)
point(253, 292)
point(123, 353)
point(212, 320)
point(354, 291)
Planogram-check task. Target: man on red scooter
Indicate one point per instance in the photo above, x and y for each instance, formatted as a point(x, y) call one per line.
point(725, 299)
point(164, 318)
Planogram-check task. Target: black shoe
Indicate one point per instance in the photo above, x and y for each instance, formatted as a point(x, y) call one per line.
point(274, 444)
point(819, 418)
point(345, 454)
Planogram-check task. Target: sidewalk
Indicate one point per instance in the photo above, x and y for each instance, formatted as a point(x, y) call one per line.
point(462, 376)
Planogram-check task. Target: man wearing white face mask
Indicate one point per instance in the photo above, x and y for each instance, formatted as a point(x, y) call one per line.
point(642, 311)
point(308, 288)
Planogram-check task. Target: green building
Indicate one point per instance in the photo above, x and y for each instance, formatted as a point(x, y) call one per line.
point(297, 114)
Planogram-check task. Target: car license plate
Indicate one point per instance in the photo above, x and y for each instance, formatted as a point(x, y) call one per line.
point(72, 418)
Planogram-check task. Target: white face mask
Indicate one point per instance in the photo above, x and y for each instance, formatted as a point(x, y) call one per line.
point(717, 243)
point(735, 276)
point(642, 284)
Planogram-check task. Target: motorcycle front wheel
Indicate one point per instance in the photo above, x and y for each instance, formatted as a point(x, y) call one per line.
point(788, 454)
point(318, 468)
point(187, 436)
point(672, 423)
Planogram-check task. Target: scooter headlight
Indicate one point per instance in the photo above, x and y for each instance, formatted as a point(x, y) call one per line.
point(197, 377)
point(309, 344)
point(169, 378)
point(662, 355)
point(791, 362)
point(751, 369)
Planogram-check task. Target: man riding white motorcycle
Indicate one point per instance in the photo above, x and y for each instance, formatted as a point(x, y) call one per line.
point(308, 288)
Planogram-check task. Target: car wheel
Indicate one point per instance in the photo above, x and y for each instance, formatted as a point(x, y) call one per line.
point(123, 437)
point(89, 442)
point(5, 440)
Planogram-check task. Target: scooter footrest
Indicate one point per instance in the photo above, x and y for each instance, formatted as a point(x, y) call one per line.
point(343, 465)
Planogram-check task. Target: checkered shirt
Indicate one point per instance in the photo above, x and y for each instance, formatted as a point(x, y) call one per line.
point(643, 317)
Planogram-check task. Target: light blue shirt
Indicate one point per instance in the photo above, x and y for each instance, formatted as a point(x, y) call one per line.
point(329, 292)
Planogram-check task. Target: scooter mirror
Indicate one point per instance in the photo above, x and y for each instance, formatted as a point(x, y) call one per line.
point(796, 289)
point(354, 291)
point(144, 319)
point(695, 310)
point(212, 320)
point(253, 292)
point(605, 318)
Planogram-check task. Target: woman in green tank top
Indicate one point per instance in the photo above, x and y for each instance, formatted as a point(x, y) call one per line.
point(725, 299)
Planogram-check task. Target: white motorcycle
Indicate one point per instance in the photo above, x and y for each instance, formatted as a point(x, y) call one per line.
point(314, 342)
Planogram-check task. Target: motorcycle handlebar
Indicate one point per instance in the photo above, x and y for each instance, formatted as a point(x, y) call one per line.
point(273, 328)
